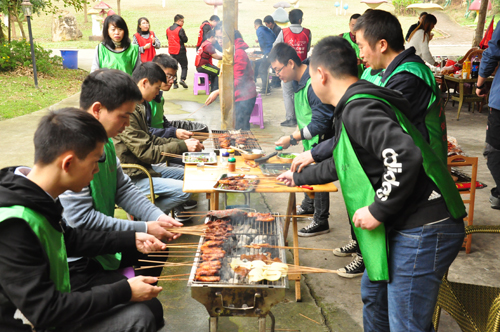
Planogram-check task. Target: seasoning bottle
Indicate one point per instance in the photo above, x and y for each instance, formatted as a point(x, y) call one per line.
point(231, 164)
point(224, 158)
point(278, 149)
point(231, 153)
point(466, 69)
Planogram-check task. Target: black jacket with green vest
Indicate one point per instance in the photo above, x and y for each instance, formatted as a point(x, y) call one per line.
point(373, 128)
point(26, 282)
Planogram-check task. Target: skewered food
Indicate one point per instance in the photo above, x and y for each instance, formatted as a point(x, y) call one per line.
point(262, 257)
point(265, 217)
point(207, 278)
point(238, 182)
point(210, 264)
point(207, 272)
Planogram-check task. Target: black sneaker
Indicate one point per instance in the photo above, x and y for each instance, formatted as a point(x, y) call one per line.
point(183, 83)
point(314, 229)
point(350, 248)
point(495, 202)
point(289, 123)
point(353, 269)
point(181, 216)
point(189, 205)
point(300, 210)
point(176, 86)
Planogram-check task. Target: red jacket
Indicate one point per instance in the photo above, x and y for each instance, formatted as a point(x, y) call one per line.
point(244, 85)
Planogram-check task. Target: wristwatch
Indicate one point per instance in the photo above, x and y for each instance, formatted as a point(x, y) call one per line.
point(293, 141)
point(479, 87)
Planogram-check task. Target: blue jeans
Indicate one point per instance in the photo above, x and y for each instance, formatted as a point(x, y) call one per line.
point(242, 112)
point(168, 187)
point(418, 259)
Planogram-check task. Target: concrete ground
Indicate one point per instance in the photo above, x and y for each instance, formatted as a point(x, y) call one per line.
point(333, 302)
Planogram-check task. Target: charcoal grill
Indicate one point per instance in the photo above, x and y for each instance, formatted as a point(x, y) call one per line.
point(234, 295)
point(250, 144)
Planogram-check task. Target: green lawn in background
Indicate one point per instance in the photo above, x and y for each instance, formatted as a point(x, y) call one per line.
point(19, 95)
point(319, 16)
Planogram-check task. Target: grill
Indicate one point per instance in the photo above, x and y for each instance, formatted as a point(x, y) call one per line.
point(234, 295)
point(251, 142)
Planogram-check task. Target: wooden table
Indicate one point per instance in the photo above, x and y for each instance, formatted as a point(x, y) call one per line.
point(462, 97)
point(203, 181)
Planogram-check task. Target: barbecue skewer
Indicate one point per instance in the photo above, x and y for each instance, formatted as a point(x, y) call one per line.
point(172, 155)
point(189, 115)
point(310, 319)
point(257, 246)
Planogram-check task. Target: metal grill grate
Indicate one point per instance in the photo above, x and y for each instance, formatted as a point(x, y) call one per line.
point(251, 142)
point(246, 231)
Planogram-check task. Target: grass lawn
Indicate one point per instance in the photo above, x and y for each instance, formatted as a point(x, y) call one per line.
point(319, 16)
point(457, 13)
point(19, 95)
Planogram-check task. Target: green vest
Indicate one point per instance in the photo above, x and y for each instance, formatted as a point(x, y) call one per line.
point(303, 112)
point(157, 113)
point(51, 240)
point(358, 191)
point(372, 78)
point(124, 61)
point(361, 67)
point(103, 191)
point(435, 119)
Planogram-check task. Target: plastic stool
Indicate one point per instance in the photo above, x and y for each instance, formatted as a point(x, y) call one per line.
point(257, 116)
point(197, 86)
point(128, 272)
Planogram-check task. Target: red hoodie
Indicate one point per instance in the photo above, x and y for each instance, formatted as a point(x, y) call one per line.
point(244, 85)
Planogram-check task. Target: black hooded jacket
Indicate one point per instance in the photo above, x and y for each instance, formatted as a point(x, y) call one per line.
point(413, 89)
point(373, 128)
point(24, 266)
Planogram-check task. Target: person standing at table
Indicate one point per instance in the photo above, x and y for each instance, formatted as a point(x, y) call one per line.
point(300, 39)
point(314, 120)
point(269, 22)
point(414, 26)
point(176, 39)
point(116, 51)
point(266, 38)
point(351, 38)
point(489, 61)
point(146, 39)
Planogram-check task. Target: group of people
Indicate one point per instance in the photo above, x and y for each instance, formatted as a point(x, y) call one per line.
point(367, 111)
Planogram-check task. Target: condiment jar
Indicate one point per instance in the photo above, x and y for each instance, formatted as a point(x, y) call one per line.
point(231, 164)
point(224, 157)
point(231, 153)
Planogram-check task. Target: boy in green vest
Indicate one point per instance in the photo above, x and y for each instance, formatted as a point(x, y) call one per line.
point(314, 120)
point(404, 206)
point(351, 38)
point(110, 96)
point(35, 240)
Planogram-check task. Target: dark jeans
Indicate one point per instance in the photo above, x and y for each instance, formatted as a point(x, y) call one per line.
point(213, 75)
point(320, 204)
point(492, 149)
point(242, 111)
point(418, 259)
point(261, 68)
point(183, 62)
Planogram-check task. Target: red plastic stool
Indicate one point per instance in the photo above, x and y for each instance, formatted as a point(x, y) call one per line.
point(197, 86)
point(257, 116)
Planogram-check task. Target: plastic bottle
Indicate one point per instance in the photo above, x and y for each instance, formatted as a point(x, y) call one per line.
point(231, 164)
point(466, 70)
point(231, 153)
point(224, 157)
point(475, 68)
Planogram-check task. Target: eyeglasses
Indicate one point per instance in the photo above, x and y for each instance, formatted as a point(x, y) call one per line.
point(170, 77)
point(279, 71)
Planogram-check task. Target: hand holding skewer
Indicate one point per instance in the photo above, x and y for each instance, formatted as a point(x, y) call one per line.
point(158, 228)
point(147, 243)
point(142, 290)
point(286, 178)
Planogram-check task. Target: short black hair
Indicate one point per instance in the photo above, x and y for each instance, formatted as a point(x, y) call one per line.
point(354, 17)
point(379, 24)
point(166, 61)
point(210, 34)
point(119, 22)
point(257, 22)
point(237, 34)
point(268, 19)
point(336, 55)
point(111, 87)
point(214, 18)
point(422, 14)
point(151, 71)
point(178, 17)
point(295, 15)
point(282, 52)
point(67, 129)
point(218, 26)
point(139, 21)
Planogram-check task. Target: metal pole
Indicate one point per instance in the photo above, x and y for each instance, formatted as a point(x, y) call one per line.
point(32, 51)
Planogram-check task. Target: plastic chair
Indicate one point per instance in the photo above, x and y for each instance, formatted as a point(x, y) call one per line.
point(197, 86)
point(459, 161)
point(257, 116)
point(475, 308)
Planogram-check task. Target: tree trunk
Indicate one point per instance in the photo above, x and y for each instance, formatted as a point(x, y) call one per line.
point(480, 23)
point(16, 17)
point(118, 7)
point(2, 34)
point(85, 19)
point(12, 26)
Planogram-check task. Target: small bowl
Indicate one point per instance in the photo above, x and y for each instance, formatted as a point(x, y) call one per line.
point(457, 75)
point(254, 154)
point(287, 160)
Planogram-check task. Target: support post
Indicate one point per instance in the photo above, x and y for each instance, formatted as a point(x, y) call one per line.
point(32, 51)
point(480, 23)
point(230, 23)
